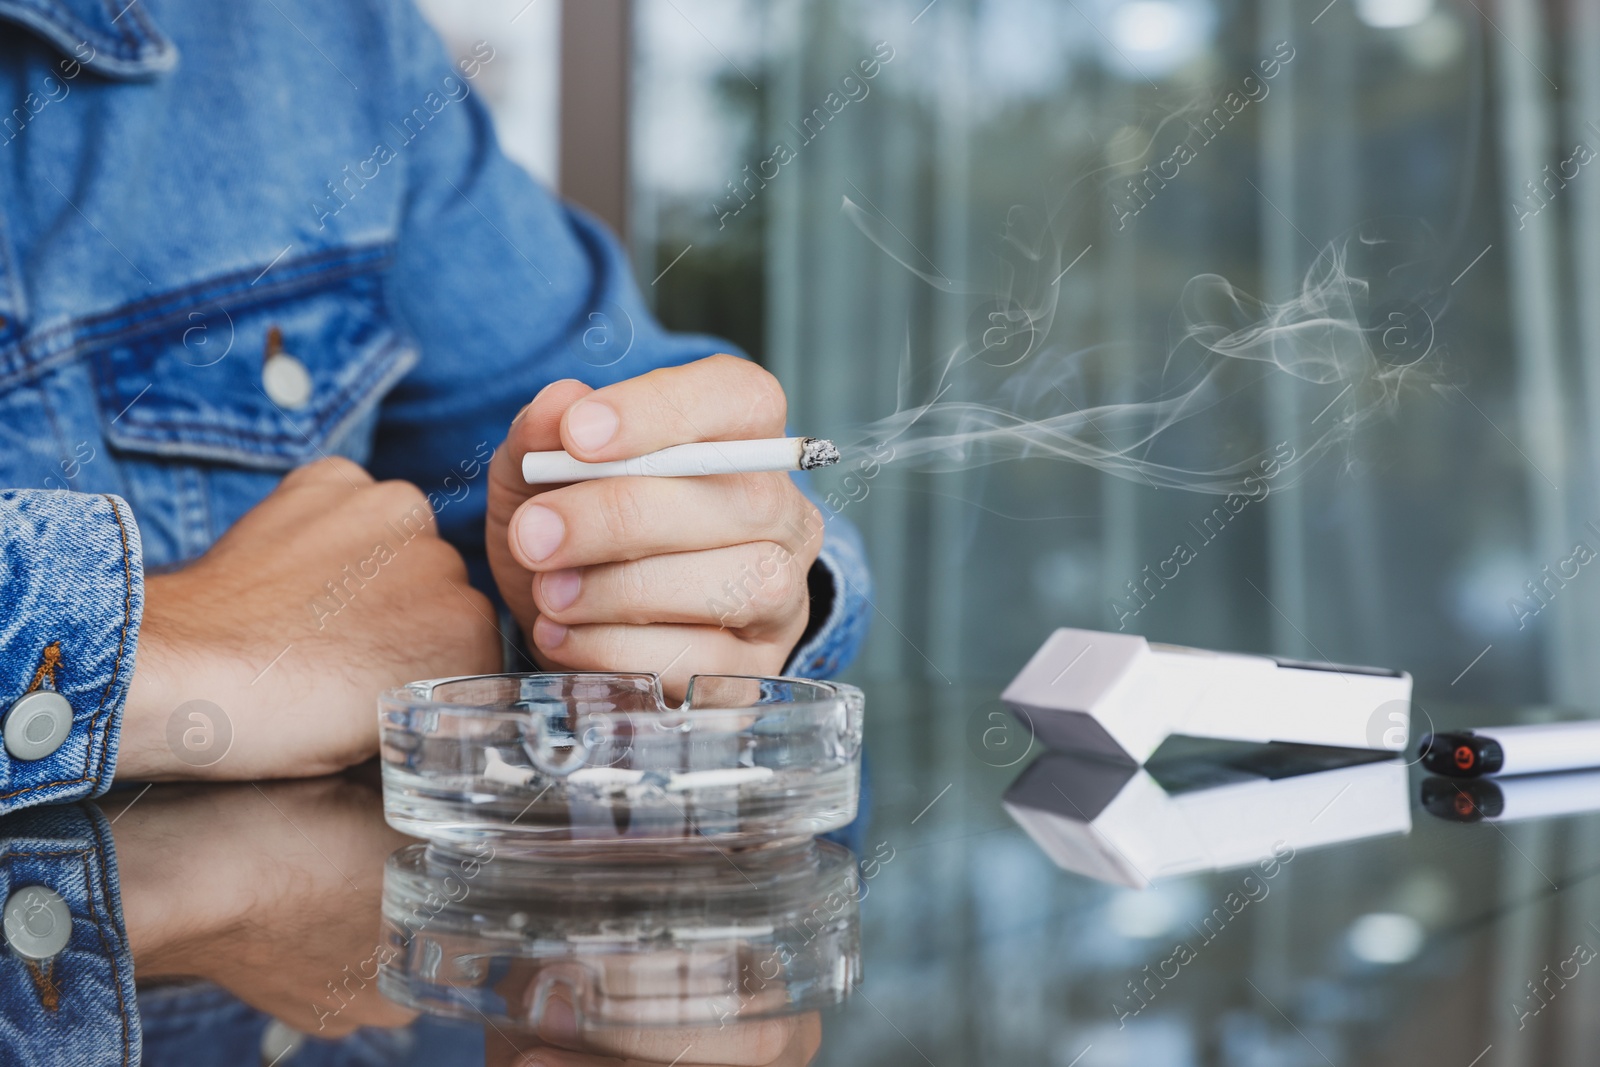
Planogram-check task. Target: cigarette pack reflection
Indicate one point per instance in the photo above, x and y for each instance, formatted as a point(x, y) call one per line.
point(1230, 806)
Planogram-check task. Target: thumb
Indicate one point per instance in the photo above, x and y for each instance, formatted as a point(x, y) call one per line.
point(537, 428)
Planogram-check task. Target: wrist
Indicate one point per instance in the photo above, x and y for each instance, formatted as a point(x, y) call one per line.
point(142, 751)
point(163, 679)
point(166, 908)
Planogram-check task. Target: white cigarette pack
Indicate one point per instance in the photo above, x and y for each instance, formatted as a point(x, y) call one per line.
point(1119, 697)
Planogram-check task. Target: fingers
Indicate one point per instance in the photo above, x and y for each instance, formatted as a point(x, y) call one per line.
point(405, 506)
point(758, 1044)
point(327, 472)
point(537, 428)
point(311, 490)
point(613, 519)
point(719, 398)
point(750, 588)
point(379, 1013)
point(310, 495)
point(672, 575)
point(552, 1057)
point(676, 653)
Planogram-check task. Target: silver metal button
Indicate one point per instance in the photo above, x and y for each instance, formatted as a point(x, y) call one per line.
point(37, 724)
point(286, 381)
point(280, 1044)
point(38, 923)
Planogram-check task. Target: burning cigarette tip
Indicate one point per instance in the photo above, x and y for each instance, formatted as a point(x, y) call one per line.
point(817, 452)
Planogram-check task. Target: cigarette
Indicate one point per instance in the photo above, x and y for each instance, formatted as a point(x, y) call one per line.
point(688, 461)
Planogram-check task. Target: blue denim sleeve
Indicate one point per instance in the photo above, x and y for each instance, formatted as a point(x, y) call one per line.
point(840, 603)
point(71, 597)
point(505, 289)
point(76, 1006)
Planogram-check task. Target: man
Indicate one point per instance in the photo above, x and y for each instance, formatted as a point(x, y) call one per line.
point(277, 322)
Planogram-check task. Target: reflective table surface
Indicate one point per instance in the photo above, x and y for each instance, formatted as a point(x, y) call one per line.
point(996, 904)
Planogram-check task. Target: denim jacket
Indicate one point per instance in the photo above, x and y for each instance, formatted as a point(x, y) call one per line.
point(75, 1008)
point(237, 237)
point(234, 238)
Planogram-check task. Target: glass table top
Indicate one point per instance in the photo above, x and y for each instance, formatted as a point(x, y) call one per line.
point(996, 904)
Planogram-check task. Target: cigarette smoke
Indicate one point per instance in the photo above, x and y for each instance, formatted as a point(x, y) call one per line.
point(1356, 337)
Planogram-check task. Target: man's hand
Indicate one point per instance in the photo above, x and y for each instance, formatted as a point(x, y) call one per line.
point(789, 1041)
point(264, 658)
point(271, 891)
point(653, 987)
point(679, 576)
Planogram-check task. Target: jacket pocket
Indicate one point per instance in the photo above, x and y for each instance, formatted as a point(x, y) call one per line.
point(268, 370)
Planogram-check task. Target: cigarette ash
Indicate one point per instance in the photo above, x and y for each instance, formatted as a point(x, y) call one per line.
point(817, 452)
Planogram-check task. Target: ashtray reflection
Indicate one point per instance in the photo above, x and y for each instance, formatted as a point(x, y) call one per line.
point(701, 942)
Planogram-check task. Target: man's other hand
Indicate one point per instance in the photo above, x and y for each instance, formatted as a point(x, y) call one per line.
point(264, 658)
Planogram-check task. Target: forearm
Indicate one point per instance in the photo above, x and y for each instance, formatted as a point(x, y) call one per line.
point(172, 906)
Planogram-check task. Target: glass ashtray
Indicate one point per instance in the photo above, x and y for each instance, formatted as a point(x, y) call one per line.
point(586, 764)
point(698, 941)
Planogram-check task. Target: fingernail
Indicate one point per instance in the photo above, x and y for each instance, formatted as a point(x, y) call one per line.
point(591, 424)
point(560, 588)
point(547, 634)
point(558, 1022)
point(539, 532)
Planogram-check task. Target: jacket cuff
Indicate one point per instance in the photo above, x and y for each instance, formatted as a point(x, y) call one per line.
point(71, 598)
point(57, 864)
point(842, 591)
